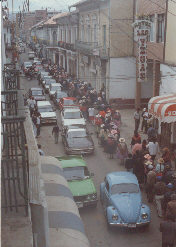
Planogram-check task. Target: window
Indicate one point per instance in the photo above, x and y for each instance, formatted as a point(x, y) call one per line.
point(88, 33)
point(82, 33)
point(152, 30)
point(104, 36)
point(160, 34)
point(95, 33)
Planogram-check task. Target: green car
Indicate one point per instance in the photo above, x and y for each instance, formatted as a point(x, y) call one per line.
point(79, 180)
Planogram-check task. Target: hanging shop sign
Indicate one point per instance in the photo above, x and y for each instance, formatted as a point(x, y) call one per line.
point(142, 27)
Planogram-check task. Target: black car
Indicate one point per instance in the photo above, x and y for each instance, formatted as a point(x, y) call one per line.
point(77, 140)
point(37, 93)
point(58, 95)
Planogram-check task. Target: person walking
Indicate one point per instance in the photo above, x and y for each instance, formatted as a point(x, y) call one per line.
point(137, 118)
point(91, 112)
point(171, 208)
point(122, 150)
point(151, 180)
point(38, 121)
point(159, 190)
point(151, 132)
point(40, 150)
point(168, 229)
point(145, 117)
point(55, 131)
point(153, 148)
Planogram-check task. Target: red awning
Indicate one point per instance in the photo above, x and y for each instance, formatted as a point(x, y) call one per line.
point(163, 107)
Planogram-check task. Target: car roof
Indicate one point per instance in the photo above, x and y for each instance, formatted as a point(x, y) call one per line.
point(76, 126)
point(36, 88)
point(44, 72)
point(56, 84)
point(27, 62)
point(71, 161)
point(72, 110)
point(76, 129)
point(121, 177)
point(43, 103)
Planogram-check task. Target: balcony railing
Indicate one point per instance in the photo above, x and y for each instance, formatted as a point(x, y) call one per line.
point(67, 46)
point(86, 47)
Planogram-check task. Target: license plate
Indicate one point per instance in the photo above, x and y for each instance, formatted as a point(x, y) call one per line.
point(80, 204)
point(132, 225)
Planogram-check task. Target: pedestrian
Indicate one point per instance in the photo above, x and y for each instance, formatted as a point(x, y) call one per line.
point(91, 112)
point(151, 180)
point(40, 150)
point(110, 146)
point(151, 132)
point(171, 208)
point(135, 139)
point(168, 195)
point(122, 150)
point(159, 190)
point(38, 124)
point(138, 169)
point(153, 148)
point(168, 229)
point(137, 119)
point(145, 117)
point(129, 163)
point(160, 167)
point(55, 131)
point(32, 105)
point(167, 157)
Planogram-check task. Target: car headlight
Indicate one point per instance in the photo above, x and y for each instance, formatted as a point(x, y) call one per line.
point(88, 197)
point(94, 196)
point(144, 216)
point(114, 217)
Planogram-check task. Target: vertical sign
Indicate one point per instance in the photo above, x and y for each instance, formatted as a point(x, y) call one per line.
point(142, 27)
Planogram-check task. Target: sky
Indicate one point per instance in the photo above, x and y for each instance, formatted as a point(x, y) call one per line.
point(39, 4)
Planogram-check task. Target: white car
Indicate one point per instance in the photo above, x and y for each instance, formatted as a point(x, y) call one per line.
point(48, 116)
point(47, 84)
point(44, 78)
point(31, 55)
point(72, 116)
point(53, 87)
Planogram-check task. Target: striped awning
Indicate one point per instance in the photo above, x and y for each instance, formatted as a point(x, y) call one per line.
point(163, 107)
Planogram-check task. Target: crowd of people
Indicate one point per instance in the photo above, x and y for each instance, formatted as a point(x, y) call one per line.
point(152, 166)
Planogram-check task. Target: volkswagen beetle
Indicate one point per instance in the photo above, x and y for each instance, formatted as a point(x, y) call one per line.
point(121, 198)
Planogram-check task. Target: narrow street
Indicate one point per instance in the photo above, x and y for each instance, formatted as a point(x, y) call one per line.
point(98, 163)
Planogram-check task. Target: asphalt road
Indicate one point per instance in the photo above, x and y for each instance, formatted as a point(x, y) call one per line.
point(93, 218)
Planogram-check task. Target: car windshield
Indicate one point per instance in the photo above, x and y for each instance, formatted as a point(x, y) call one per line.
point(75, 173)
point(72, 115)
point(27, 64)
point(37, 92)
point(77, 134)
point(49, 81)
point(45, 109)
point(69, 102)
point(60, 95)
point(54, 88)
point(124, 188)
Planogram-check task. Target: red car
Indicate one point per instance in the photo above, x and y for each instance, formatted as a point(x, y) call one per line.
point(68, 102)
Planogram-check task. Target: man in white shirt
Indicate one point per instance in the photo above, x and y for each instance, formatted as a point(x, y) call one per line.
point(153, 148)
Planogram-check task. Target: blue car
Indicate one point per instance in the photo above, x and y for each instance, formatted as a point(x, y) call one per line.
point(121, 198)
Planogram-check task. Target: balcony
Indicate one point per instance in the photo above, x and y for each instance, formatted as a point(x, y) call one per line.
point(67, 46)
point(86, 47)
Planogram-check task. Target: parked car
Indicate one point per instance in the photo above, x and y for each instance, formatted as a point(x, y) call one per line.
point(57, 96)
point(47, 84)
point(68, 102)
point(37, 93)
point(77, 141)
point(121, 198)
point(79, 180)
point(41, 75)
point(53, 87)
point(48, 116)
point(71, 116)
point(26, 66)
point(31, 54)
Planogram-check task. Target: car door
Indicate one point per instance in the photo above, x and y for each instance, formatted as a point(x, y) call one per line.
point(106, 193)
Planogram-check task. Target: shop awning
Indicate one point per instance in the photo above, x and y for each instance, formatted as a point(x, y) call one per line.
point(163, 107)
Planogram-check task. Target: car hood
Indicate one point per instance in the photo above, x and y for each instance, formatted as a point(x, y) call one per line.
point(128, 206)
point(82, 187)
point(67, 122)
point(80, 143)
point(48, 114)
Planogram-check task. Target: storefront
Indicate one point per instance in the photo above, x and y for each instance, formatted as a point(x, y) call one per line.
point(163, 109)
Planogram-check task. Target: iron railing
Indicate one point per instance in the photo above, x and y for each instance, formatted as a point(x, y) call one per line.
point(14, 163)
